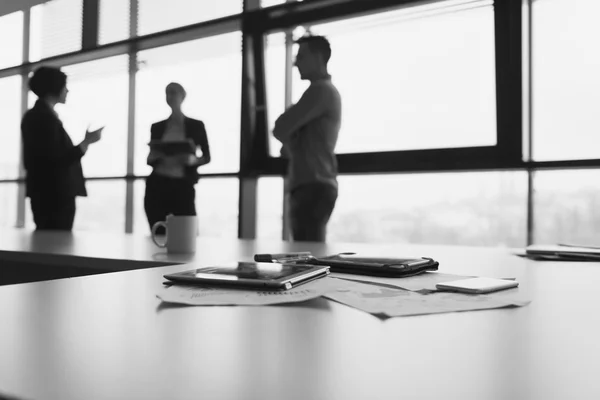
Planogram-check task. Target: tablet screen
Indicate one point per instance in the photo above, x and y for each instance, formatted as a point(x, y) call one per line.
point(247, 270)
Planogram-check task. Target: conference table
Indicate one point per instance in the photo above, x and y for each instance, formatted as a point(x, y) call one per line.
point(105, 335)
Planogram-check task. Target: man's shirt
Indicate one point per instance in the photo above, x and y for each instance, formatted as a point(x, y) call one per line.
point(309, 131)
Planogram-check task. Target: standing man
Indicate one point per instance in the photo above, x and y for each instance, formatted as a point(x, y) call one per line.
point(308, 131)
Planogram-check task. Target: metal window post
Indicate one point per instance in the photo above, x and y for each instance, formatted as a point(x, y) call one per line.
point(130, 183)
point(91, 16)
point(530, 172)
point(253, 118)
point(21, 201)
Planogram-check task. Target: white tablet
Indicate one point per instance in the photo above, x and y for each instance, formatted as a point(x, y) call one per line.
point(477, 285)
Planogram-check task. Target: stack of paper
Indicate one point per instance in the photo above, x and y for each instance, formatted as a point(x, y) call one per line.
point(386, 297)
point(203, 296)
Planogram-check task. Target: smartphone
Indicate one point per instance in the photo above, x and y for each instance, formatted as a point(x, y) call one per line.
point(477, 285)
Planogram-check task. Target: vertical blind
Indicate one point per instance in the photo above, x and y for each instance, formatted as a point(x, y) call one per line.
point(56, 28)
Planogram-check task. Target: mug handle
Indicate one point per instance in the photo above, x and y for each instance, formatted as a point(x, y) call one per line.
point(154, 228)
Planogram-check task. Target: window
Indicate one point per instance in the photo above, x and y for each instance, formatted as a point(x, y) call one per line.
point(217, 202)
point(140, 222)
point(10, 134)
point(113, 21)
point(102, 210)
point(567, 207)
point(8, 204)
point(98, 96)
point(104, 207)
point(11, 39)
point(416, 78)
point(271, 3)
point(56, 28)
point(210, 71)
point(475, 209)
point(217, 206)
point(156, 16)
point(566, 83)
point(269, 212)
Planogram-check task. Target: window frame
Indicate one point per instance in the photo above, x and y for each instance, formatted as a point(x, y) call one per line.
point(512, 41)
point(507, 153)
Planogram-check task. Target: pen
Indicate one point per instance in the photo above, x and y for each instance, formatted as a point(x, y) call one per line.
point(283, 257)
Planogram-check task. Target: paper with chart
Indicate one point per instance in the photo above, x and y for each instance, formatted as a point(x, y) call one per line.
point(424, 281)
point(392, 302)
point(203, 296)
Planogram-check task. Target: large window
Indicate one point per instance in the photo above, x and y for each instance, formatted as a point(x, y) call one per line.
point(56, 28)
point(420, 76)
point(417, 78)
point(113, 21)
point(481, 209)
point(210, 71)
point(10, 134)
point(98, 97)
point(8, 204)
point(270, 3)
point(104, 207)
point(217, 202)
point(269, 210)
point(102, 210)
point(154, 16)
point(11, 39)
point(567, 207)
point(566, 82)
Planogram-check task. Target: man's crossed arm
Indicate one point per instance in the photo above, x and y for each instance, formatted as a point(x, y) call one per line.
point(311, 105)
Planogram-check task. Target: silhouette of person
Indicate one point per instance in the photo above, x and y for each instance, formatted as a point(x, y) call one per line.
point(308, 131)
point(53, 164)
point(170, 186)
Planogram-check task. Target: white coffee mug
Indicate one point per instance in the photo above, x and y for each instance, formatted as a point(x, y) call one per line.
point(181, 233)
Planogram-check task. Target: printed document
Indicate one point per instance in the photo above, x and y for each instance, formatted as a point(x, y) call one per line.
point(203, 296)
point(392, 302)
point(425, 281)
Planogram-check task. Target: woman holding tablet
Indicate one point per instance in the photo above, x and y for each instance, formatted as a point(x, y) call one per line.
point(170, 186)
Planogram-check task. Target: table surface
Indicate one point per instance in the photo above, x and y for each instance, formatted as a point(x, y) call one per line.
point(108, 337)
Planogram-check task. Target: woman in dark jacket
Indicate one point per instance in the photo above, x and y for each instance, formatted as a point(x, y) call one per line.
point(53, 164)
point(170, 186)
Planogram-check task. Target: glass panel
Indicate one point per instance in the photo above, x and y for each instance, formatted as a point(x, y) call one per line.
point(98, 96)
point(210, 71)
point(113, 21)
point(566, 83)
point(475, 209)
point(11, 39)
point(140, 223)
point(8, 204)
point(156, 16)
point(567, 207)
point(55, 28)
point(270, 3)
point(217, 205)
point(10, 134)
point(217, 202)
point(269, 212)
point(275, 83)
point(417, 78)
point(102, 210)
point(104, 207)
